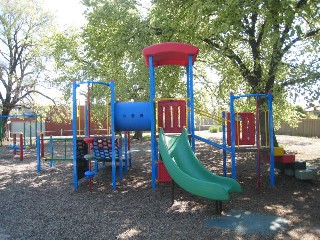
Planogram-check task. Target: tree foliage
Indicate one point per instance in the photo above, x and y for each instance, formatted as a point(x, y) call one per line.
point(252, 46)
point(115, 35)
point(23, 25)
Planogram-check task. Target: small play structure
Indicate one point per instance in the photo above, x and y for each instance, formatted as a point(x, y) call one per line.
point(29, 124)
point(171, 124)
point(18, 146)
point(159, 116)
point(50, 155)
point(106, 148)
point(21, 130)
point(286, 162)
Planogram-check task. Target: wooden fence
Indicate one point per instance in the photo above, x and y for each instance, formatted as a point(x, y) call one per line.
point(306, 128)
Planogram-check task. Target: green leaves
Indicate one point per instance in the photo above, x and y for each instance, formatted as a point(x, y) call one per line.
point(23, 28)
point(253, 46)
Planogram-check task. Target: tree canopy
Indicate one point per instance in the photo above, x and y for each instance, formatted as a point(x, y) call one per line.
point(23, 25)
point(253, 46)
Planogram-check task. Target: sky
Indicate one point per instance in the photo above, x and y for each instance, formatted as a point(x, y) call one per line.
point(67, 13)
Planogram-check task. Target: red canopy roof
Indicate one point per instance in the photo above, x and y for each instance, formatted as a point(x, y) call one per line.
point(170, 53)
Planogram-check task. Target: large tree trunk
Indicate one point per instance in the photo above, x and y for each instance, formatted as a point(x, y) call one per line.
point(137, 135)
point(4, 121)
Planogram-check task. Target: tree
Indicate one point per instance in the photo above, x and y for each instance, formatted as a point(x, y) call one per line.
point(255, 46)
point(23, 25)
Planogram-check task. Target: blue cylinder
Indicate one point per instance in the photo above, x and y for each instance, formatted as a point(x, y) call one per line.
point(132, 116)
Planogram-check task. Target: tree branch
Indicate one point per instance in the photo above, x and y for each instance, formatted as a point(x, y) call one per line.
point(229, 53)
point(33, 91)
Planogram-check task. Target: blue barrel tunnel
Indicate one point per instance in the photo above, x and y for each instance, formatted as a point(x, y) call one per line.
point(133, 116)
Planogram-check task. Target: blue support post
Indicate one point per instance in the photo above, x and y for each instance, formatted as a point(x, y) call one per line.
point(113, 137)
point(120, 158)
point(153, 124)
point(38, 155)
point(271, 139)
point(233, 138)
point(125, 153)
point(224, 143)
point(188, 100)
point(74, 134)
point(96, 166)
point(190, 73)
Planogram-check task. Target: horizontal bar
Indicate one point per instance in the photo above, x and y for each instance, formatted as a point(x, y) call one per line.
point(93, 82)
point(57, 139)
point(251, 95)
point(56, 159)
point(213, 143)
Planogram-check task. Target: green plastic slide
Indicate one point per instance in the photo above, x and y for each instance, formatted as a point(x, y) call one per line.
point(188, 172)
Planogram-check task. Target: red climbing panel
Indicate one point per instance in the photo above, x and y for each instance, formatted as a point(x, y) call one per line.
point(172, 115)
point(163, 175)
point(244, 127)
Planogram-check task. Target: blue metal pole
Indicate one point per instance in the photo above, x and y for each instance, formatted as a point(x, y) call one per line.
point(38, 155)
point(190, 73)
point(126, 152)
point(271, 136)
point(153, 123)
point(74, 134)
point(233, 138)
point(113, 137)
point(188, 100)
point(120, 157)
point(96, 166)
point(224, 143)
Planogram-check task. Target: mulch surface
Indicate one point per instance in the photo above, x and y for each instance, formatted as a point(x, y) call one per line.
point(45, 205)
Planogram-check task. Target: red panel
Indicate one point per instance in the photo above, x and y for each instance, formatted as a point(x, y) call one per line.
point(287, 158)
point(170, 53)
point(163, 175)
point(168, 116)
point(244, 127)
point(174, 118)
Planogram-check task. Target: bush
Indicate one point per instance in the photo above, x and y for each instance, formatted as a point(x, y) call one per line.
point(214, 129)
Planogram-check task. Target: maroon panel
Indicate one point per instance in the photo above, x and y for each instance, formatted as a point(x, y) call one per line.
point(174, 118)
point(244, 127)
point(163, 175)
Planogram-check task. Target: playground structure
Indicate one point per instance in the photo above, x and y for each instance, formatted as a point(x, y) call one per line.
point(168, 114)
point(17, 146)
point(51, 154)
point(106, 148)
point(29, 124)
point(21, 143)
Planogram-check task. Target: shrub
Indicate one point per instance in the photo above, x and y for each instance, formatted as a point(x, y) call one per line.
point(214, 129)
